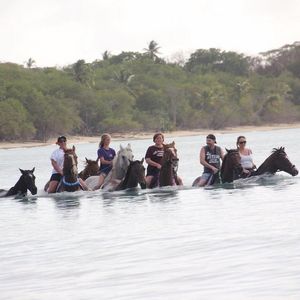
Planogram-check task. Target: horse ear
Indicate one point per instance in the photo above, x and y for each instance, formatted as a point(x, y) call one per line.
point(33, 170)
point(22, 171)
point(173, 144)
point(142, 161)
point(129, 146)
point(226, 150)
point(121, 147)
point(73, 148)
point(86, 160)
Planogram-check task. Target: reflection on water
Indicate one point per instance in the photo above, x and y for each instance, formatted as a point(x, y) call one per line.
point(233, 241)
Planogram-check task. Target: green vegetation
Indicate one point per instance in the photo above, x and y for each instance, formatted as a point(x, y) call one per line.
point(135, 91)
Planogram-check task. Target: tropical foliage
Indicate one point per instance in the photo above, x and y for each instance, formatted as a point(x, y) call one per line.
point(135, 91)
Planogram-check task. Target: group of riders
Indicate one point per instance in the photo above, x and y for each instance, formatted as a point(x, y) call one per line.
point(211, 156)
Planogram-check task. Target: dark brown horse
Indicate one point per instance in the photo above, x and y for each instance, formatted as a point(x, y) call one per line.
point(70, 182)
point(135, 175)
point(168, 172)
point(25, 182)
point(231, 169)
point(91, 169)
point(277, 161)
point(231, 166)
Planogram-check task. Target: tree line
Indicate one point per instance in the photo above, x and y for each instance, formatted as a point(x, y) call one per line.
point(135, 91)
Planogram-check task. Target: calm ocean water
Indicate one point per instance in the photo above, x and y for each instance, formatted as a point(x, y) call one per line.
point(239, 241)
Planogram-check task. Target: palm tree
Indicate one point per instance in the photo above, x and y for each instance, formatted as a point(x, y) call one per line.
point(30, 63)
point(152, 50)
point(106, 55)
point(123, 77)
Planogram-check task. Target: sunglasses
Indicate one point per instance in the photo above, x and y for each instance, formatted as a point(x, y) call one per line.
point(244, 142)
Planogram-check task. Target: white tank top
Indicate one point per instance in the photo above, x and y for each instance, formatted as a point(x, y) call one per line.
point(246, 161)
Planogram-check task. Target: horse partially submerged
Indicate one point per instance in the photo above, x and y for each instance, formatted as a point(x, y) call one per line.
point(231, 168)
point(135, 175)
point(25, 182)
point(277, 161)
point(70, 181)
point(168, 172)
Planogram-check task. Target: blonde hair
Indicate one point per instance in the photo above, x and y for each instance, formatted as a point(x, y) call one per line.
point(104, 136)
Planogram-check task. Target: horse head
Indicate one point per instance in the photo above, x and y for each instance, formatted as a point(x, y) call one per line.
point(231, 166)
point(170, 155)
point(280, 162)
point(135, 175)
point(139, 169)
point(70, 162)
point(122, 161)
point(28, 180)
point(91, 169)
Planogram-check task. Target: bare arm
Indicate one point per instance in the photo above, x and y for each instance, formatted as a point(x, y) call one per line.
point(204, 163)
point(153, 163)
point(56, 167)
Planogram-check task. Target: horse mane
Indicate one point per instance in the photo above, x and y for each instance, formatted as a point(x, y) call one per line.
point(278, 150)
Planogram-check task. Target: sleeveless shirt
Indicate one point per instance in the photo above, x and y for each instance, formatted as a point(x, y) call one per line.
point(212, 156)
point(247, 161)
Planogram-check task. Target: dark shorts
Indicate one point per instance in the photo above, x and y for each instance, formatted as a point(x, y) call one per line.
point(55, 177)
point(152, 172)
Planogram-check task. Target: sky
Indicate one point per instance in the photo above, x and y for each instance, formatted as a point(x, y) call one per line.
point(60, 32)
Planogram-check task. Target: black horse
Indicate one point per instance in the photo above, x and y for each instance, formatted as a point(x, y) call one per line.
point(25, 182)
point(135, 175)
point(277, 161)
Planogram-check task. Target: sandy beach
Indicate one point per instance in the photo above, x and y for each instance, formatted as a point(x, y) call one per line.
point(148, 135)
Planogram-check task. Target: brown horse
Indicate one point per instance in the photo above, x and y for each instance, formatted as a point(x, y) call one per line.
point(91, 169)
point(168, 172)
point(277, 161)
point(135, 175)
point(231, 169)
point(70, 182)
point(231, 166)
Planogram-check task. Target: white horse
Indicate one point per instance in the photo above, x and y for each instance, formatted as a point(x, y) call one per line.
point(118, 172)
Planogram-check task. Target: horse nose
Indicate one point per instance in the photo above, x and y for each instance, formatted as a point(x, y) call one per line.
point(295, 173)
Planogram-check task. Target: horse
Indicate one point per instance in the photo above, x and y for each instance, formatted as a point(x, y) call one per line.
point(135, 175)
point(70, 182)
point(91, 169)
point(277, 161)
point(25, 182)
point(120, 164)
point(168, 172)
point(231, 169)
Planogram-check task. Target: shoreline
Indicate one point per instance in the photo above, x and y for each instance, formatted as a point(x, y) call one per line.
point(149, 135)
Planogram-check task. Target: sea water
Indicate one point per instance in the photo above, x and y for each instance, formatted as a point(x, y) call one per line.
point(237, 241)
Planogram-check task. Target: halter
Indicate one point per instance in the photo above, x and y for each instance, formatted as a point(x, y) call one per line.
point(76, 183)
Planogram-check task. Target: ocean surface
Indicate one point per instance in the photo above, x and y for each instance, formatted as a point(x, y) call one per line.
point(237, 241)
